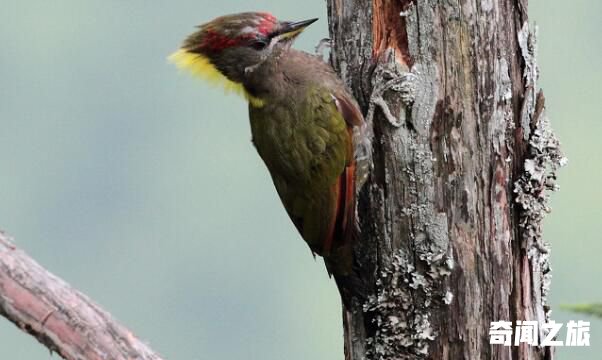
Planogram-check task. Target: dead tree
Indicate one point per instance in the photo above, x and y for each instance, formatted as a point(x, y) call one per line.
point(464, 157)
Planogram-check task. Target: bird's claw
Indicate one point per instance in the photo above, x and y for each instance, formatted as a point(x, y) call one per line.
point(323, 44)
point(404, 84)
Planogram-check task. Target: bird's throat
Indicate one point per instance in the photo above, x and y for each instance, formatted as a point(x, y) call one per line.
point(201, 66)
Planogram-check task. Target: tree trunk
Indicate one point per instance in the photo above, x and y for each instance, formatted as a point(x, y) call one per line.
point(451, 214)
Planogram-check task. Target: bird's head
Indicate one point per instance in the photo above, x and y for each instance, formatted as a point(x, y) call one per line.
point(234, 46)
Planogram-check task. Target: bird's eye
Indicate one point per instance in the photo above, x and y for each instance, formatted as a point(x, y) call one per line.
point(259, 44)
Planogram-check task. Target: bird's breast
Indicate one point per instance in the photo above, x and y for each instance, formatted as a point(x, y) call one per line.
point(301, 139)
point(283, 141)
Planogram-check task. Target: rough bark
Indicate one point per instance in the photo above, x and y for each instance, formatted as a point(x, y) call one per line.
point(63, 319)
point(463, 157)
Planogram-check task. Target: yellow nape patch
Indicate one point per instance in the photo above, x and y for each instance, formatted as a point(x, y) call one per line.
point(200, 66)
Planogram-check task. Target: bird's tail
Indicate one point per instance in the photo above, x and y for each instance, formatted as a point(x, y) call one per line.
point(340, 265)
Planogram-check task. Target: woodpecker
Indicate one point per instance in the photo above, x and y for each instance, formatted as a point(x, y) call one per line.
point(306, 126)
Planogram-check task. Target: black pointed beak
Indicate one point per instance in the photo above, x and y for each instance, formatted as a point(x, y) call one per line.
point(291, 29)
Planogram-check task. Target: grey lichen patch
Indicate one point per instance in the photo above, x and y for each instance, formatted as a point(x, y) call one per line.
point(527, 41)
point(543, 159)
point(439, 263)
point(437, 234)
point(403, 327)
point(503, 112)
point(392, 310)
point(538, 179)
point(448, 298)
point(533, 187)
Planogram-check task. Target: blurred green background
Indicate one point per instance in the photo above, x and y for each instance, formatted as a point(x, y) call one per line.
point(140, 186)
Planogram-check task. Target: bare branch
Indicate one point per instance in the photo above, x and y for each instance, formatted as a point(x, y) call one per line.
point(60, 317)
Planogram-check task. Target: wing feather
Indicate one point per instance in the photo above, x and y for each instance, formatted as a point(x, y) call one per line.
point(345, 219)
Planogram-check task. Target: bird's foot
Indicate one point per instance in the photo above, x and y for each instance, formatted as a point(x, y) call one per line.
point(324, 44)
point(404, 84)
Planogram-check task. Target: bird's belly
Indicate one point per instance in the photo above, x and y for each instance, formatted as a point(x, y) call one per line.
point(298, 153)
point(305, 150)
